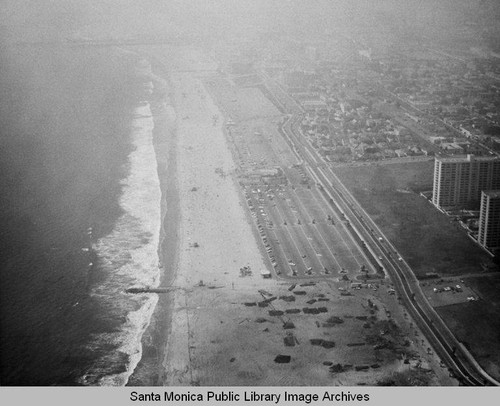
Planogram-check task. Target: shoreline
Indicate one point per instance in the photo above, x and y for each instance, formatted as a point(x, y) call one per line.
point(208, 331)
point(149, 370)
point(217, 240)
point(73, 178)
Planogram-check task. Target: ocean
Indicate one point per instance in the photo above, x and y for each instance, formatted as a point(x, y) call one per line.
point(80, 215)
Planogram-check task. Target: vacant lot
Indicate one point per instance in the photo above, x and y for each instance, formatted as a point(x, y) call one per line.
point(428, 240)
point(477, 324)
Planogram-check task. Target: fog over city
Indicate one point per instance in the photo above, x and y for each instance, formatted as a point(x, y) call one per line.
point(249, 193)
point(32, 19)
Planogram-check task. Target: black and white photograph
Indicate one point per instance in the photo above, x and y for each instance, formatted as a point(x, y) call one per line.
point(250, 194)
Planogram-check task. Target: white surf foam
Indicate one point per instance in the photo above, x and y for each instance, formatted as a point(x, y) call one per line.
point(129, 255)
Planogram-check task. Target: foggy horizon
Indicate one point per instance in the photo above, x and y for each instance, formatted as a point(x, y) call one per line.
point(230, 193)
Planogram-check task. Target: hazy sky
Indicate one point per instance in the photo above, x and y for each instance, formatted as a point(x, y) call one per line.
point(121, 18)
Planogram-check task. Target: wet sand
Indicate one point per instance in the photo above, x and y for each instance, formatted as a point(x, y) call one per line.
point(149, 370)
point(209, 330)
point(206, 236)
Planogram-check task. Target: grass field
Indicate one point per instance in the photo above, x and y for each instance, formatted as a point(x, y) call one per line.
point(477, 324)
point(428, 240)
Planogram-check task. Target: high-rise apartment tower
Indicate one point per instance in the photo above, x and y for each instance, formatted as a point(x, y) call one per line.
point(489, 220)
point(459, 180)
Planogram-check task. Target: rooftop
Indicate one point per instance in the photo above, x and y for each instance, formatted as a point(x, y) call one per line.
point(495, 194)
point(466, 158)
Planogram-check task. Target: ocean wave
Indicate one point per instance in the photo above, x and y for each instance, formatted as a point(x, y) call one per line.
point(128, 257)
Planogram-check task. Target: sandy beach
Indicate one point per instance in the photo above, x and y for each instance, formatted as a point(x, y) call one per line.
point(228, 193)
point(216, 327)
point(209, 238)
point(216, 240)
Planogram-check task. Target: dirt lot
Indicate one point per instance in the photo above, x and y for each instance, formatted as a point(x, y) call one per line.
point(477, 324)
point(428, 240)
point(447, 291)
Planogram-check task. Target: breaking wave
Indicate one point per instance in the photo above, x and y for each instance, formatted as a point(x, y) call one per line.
point(128, 257)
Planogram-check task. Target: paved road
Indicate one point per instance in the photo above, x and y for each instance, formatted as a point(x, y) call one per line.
point(456, 356)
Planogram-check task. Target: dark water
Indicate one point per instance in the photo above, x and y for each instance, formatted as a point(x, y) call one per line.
point(64, 124)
